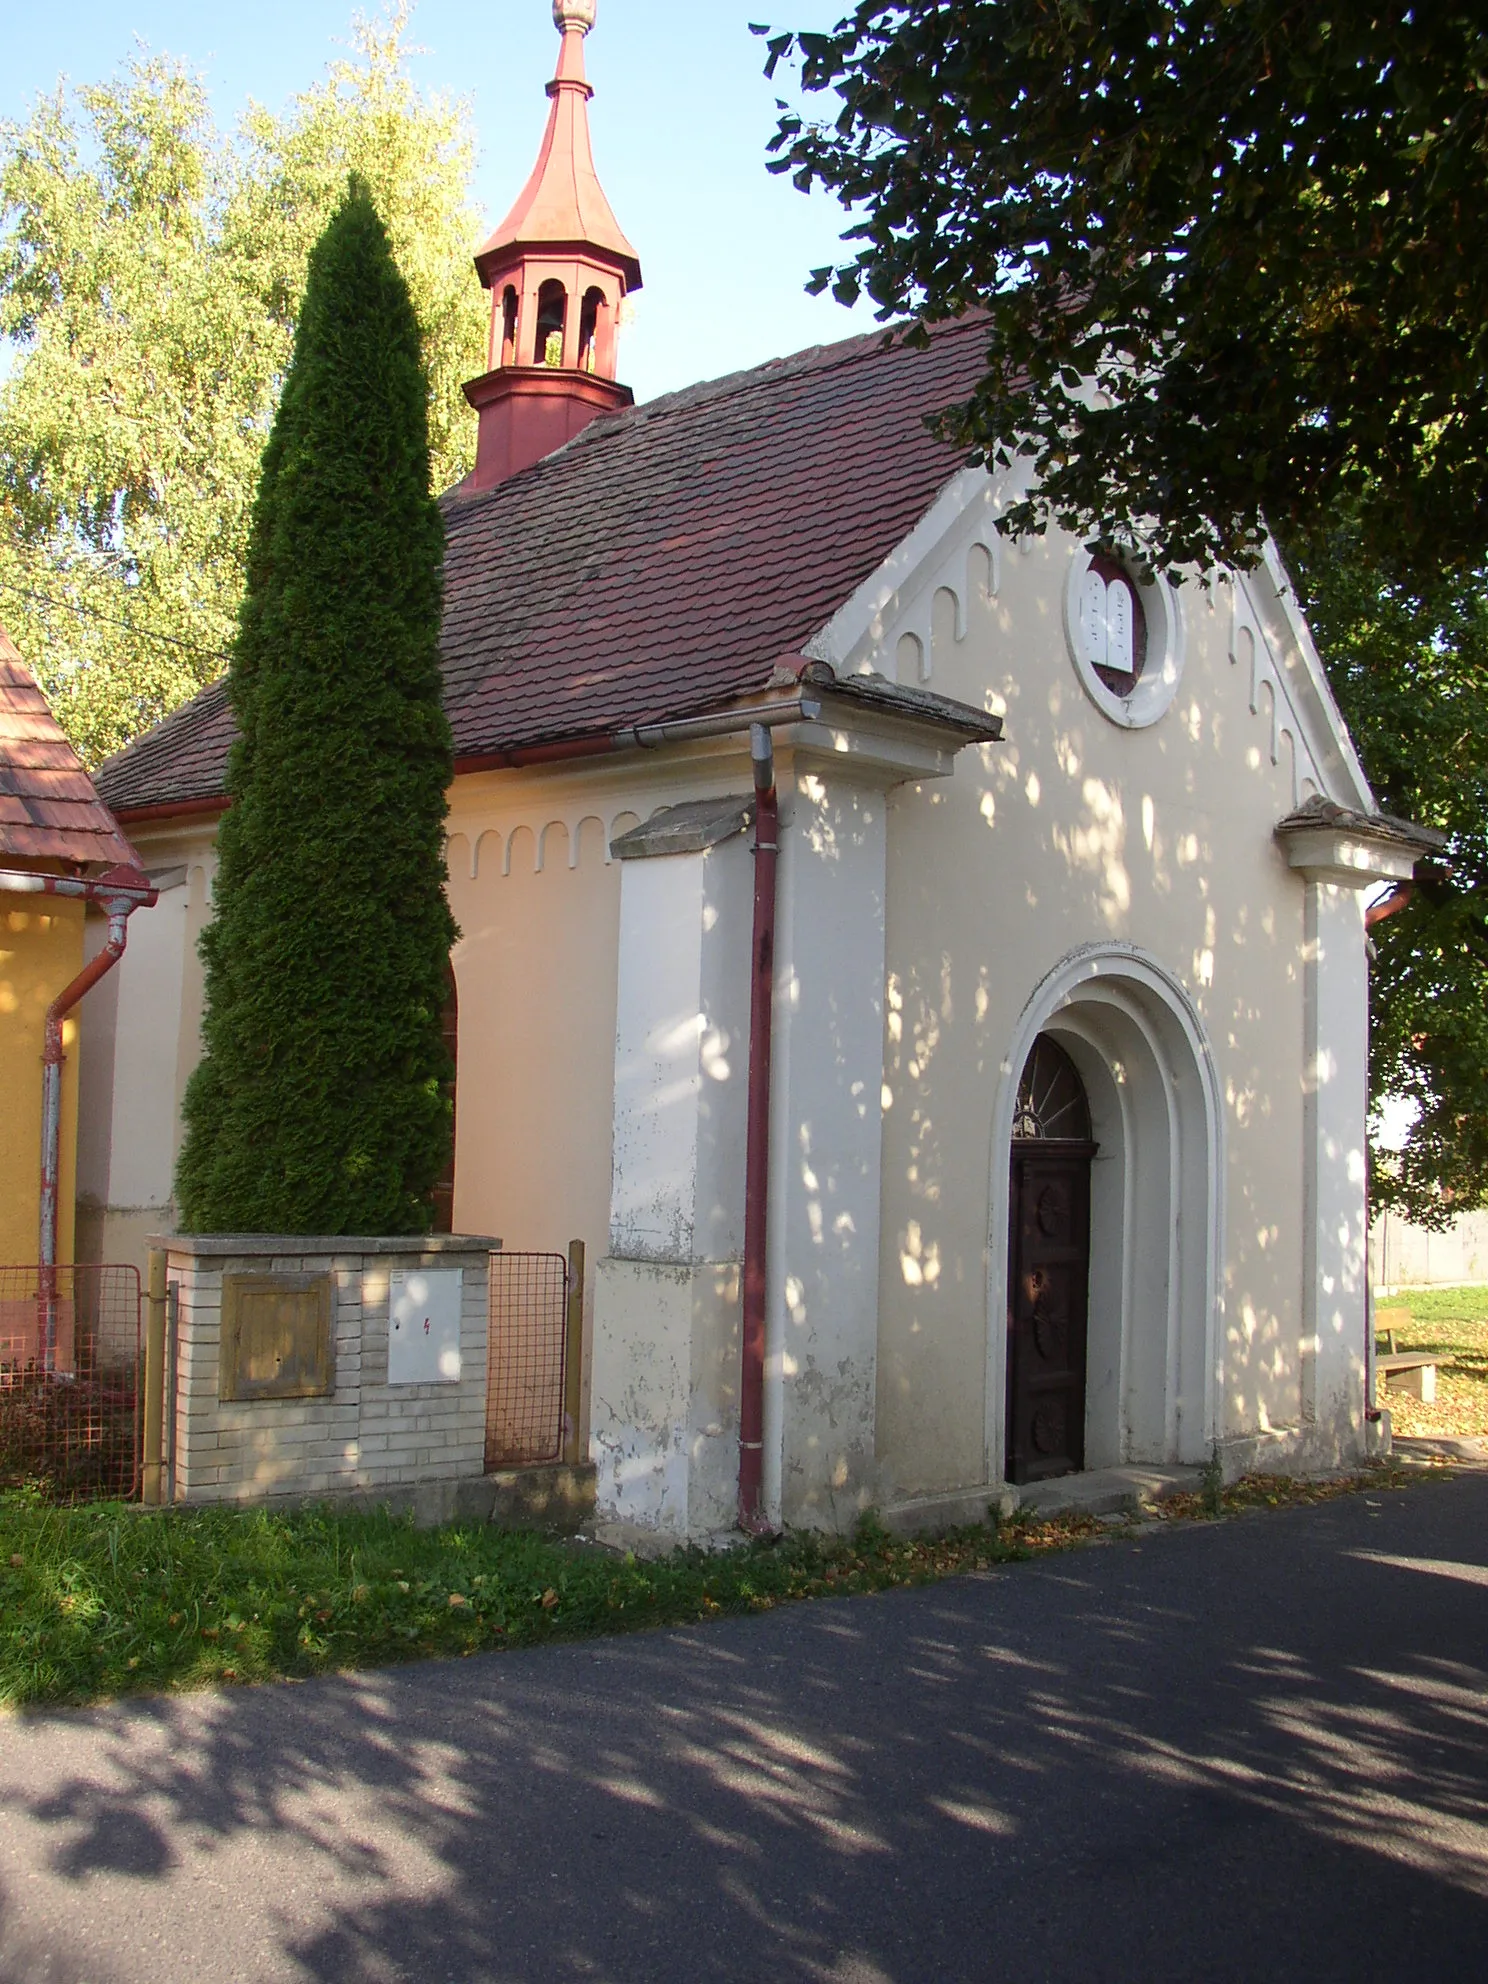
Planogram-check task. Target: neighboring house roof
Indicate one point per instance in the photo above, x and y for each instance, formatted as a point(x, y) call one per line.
point(657, 565)
point(49, 807)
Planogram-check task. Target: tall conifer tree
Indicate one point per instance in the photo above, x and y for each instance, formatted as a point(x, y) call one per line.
point(320, 1103)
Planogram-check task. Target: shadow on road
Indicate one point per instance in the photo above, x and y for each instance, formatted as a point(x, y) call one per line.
point(1250, 1750)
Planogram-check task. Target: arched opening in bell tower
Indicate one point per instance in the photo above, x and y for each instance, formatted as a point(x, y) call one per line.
point(508, 326)
point(591, 317)
point(552, 315)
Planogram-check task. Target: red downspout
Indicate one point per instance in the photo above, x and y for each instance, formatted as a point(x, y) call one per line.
point(757, 1149)
point(120, 891)
point(1398, 897)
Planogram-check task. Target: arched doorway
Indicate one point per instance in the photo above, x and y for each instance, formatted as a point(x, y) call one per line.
point(1155, 1299)
point(1048, 1267)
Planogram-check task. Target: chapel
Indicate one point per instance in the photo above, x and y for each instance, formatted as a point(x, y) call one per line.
point(926, 968)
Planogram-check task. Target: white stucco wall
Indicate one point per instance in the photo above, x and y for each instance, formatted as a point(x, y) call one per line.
point(665, 1375)
point(1077, 831)
point(142, 1040)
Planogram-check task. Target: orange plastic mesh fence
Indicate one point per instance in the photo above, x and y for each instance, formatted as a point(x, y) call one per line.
point(70, 1422)
point(524, 1378)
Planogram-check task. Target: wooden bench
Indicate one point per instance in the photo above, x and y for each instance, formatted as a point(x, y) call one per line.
point(1411, 1371)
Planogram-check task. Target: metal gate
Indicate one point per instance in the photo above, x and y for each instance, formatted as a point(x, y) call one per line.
point(70, 1393)
point(532, 1371)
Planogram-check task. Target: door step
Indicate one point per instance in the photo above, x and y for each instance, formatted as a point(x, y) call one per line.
point(1107, 1491)
point(1103, 1491)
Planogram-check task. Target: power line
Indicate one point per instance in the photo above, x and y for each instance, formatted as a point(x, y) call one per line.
point(109, 620)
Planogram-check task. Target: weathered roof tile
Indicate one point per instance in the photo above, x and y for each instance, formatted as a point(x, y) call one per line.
point(660, 562)
point(49, 808)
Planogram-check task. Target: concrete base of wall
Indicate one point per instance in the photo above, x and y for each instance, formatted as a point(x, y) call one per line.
point(664, 1391)
point(1305, 1450)
point(559, 1497)
point(924, 1515)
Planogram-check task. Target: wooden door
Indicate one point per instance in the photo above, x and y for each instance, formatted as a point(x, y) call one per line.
point(1048, 1302)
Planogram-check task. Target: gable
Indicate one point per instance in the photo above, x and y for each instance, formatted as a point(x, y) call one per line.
point(887, 627)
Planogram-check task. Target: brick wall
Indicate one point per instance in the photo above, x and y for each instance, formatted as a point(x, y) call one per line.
point(366, 1434)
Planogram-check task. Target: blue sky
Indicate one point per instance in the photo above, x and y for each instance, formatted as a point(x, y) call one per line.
point(680, 120)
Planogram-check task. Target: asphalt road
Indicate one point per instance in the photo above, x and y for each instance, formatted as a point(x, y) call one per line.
point(1254, 1750)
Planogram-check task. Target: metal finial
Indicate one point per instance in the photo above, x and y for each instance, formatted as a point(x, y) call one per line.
point(574, 14)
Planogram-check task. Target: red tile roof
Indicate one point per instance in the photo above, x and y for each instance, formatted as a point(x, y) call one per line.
point(659, 563)
point(49, 808)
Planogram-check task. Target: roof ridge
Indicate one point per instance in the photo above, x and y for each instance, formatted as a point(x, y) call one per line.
point(821, 358)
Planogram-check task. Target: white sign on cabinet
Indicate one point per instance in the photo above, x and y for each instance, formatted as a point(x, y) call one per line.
point(424, 1326)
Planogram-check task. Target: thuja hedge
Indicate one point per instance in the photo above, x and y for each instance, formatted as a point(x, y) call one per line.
point(320, 1104)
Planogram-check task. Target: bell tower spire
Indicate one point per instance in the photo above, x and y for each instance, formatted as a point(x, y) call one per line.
point(558, 269)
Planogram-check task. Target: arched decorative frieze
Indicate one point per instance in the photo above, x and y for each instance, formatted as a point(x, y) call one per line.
point(954, 548)
point(458, 857)
point(1251, 651)
point(559, 844)
point(620, 823)
point(486, 855)
point(521, 852)
point(588, 843)
point(553, 846)
point(971, 566)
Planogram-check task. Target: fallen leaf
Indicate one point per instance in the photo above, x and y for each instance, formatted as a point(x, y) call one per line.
point(549, 1599)
point(458, 1598)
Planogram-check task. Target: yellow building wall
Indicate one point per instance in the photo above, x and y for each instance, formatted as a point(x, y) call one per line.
point(41, 951)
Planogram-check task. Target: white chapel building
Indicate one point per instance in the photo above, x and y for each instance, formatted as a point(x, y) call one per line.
point(1063, 1158)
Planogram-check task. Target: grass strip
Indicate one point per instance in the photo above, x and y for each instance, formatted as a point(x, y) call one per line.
point(107, 1599)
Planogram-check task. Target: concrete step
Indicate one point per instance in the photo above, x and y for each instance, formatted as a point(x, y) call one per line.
point(925, 1515)
point(1108, 1490)
point(1103, 1491)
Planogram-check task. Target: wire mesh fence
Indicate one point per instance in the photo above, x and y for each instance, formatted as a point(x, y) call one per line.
point(70, 1381)
point(525, 1373)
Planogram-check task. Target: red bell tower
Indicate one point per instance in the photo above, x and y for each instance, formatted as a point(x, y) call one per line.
point(558, 269)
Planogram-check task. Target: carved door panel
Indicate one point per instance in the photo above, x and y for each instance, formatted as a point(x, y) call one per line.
point(1048, 1301)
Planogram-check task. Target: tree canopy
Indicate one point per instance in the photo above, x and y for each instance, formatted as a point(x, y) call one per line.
point(151, 270)
point(320, 1104)
point(1228, 252)
point(1409, 666)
